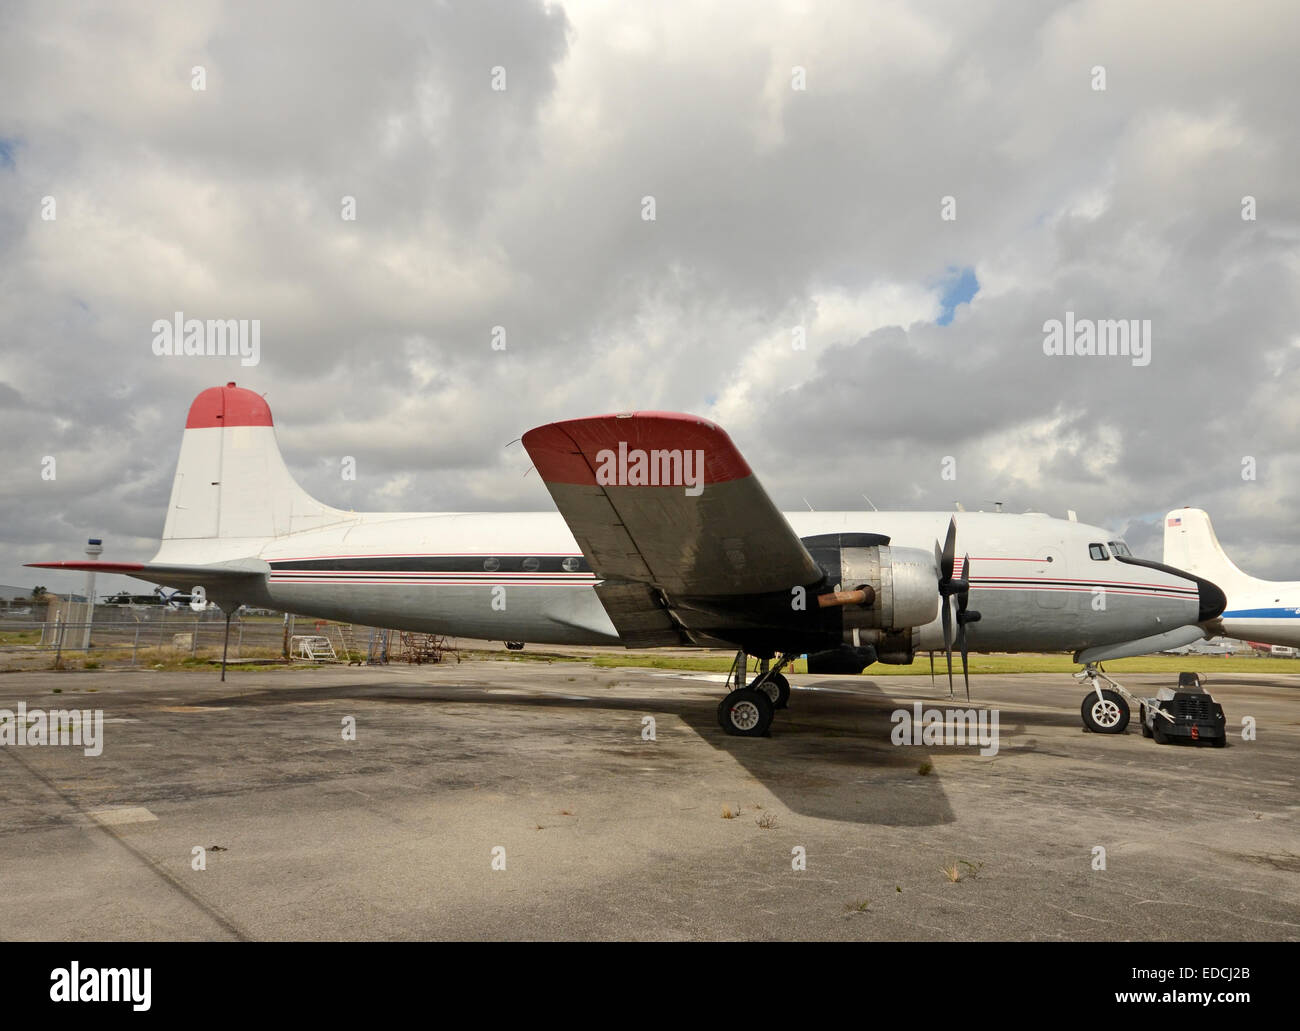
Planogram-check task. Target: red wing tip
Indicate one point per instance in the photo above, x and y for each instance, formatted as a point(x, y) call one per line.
point(608, 420)
point(568, 452)
point(643, 415)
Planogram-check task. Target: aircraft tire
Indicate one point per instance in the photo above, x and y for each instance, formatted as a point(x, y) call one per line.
point(777, 689)
point(746, 713)
point(1109, 715)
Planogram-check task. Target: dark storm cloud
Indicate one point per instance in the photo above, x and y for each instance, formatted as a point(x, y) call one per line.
point(777, 209)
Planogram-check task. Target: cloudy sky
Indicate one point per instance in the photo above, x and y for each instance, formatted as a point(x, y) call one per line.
point(777, 208)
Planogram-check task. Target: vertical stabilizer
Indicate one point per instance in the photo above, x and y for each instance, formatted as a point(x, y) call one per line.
point(231, 482)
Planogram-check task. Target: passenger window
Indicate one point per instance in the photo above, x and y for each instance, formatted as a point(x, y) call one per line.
point(491, 564)
point(1098, 552)
point(531, 565)
point(571, 564)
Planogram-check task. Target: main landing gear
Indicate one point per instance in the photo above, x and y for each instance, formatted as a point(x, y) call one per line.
point(1105, 710)
point(747, 711)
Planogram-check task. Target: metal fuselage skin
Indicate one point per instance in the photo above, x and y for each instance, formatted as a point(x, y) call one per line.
point(521, 577)
point(1269, 615)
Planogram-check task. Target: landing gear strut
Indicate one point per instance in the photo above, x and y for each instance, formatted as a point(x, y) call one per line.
point(747, 710)
point(1105, 710)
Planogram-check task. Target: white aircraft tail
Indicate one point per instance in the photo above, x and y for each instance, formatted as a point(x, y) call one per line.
point(1190, 545)
point(232, 489)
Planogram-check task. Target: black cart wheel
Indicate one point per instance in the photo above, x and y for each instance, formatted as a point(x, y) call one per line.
point(1142, 720)
point(1107, 714)
point(746, 713)
point(777, 689)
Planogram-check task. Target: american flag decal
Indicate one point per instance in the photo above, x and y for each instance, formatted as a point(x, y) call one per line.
point(1176, 521)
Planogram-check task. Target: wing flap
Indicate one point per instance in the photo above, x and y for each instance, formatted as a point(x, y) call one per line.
point(638, 617)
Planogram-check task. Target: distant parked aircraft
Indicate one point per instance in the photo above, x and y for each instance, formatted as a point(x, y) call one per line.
point(1265, 611)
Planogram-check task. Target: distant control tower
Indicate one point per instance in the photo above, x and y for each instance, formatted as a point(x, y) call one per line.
point(94, 548)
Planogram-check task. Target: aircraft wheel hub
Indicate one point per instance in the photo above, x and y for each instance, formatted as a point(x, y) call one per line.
point(1105, 713)
point(745, 715)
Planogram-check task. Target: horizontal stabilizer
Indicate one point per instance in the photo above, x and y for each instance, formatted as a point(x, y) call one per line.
point(147, 570)
point(213, 575)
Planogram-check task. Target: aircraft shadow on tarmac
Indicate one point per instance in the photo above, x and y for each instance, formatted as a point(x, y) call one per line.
point(830, 755)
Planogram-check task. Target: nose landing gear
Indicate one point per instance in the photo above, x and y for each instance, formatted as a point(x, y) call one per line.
point(1105, 710)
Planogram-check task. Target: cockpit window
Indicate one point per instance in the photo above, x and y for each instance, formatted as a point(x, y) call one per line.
point(1120, 550)
point(1098, 552)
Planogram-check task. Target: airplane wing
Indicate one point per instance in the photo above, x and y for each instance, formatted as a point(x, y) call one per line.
point(666, 509)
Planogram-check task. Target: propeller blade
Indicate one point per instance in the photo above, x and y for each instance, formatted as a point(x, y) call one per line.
point(947, 639)
point(961, 644)
point(964, 617)
point(945, 559)
point(949, 549)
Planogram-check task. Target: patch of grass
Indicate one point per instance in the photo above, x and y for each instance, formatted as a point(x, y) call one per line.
point(857, 907)
point(727, 814)
point(20, 637)
point(767, 821)
point(960, 869)
point(926, 768)
point(707, 661)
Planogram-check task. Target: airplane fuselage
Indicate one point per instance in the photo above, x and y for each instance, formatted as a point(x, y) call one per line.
point(521, 576)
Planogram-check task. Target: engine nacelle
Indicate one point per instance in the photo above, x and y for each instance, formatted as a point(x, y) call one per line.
point(904, 583)
point(878, 594)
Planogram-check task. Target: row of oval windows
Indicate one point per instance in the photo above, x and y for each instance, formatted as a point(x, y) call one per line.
point(531, 565)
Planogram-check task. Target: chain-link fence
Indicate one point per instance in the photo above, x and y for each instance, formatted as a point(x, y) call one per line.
point(162, 635)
